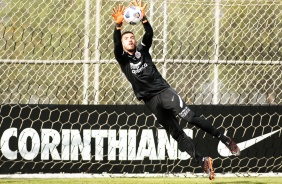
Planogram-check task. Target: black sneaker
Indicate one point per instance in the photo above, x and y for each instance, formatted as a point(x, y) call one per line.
point(232, 146)
point(208, 167)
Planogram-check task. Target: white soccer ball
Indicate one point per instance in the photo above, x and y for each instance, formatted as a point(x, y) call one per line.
point(132, 15)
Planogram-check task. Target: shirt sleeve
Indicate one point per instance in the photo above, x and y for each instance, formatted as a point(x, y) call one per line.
point(118, 49)
point(148, 36)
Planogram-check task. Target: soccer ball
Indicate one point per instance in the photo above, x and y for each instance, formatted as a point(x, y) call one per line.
point(132, 15)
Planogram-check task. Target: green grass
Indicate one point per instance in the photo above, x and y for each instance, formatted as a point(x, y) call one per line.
point(236, 180)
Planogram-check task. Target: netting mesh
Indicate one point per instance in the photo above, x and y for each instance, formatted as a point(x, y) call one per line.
point(192, 40)
point(224, 52)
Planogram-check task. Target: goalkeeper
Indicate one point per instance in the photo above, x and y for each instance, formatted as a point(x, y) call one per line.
point(149, 86)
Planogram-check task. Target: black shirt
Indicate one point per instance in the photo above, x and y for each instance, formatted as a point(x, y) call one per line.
point(139, 68)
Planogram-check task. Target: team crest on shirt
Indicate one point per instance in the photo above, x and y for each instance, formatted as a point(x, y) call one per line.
point(137, 54)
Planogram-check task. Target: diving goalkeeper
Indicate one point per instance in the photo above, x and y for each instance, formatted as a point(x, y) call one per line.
point(149, 86)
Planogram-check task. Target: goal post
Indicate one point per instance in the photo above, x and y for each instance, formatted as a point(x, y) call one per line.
point(67, 107)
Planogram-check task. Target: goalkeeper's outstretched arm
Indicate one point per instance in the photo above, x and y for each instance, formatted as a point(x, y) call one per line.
point(118, 49)
point(118, 18)
point(149, 33)
point(148, 36)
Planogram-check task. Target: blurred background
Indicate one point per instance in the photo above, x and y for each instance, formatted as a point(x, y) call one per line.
point(210, 51)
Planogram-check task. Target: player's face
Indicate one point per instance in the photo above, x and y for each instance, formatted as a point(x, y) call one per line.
point(129, 42)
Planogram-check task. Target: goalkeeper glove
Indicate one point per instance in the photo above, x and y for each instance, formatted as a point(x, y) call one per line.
point(139, 5)
point(118, 15)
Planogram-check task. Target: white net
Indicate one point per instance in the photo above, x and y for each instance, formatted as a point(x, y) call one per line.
point(212, 52)
point(225, 52)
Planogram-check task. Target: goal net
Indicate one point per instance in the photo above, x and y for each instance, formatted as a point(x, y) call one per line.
point(66, 106)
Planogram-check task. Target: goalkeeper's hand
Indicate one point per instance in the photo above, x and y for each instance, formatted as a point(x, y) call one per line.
point(139, 5)
point(118, 14)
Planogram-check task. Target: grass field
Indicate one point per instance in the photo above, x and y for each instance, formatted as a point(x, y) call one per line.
point(235, 180)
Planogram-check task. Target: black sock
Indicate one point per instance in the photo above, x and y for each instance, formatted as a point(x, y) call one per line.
point(199, 158)
point(223, 139)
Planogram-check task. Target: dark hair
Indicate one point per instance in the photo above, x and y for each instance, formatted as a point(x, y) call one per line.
point(126, 32)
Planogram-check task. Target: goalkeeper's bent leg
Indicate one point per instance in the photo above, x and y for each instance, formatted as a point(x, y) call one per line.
point(206, 126)
point(185, 144)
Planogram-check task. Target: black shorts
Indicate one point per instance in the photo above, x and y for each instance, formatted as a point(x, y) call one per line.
point(166, 106)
